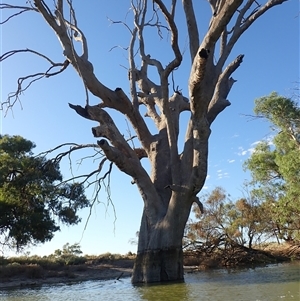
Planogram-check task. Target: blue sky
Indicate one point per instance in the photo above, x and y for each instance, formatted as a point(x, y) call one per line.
point(271, 63)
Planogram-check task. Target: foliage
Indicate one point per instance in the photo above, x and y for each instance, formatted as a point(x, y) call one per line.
point(33, 197)
point(69, 250)
point(275, 165)
point(70, 254)
point(226, 224)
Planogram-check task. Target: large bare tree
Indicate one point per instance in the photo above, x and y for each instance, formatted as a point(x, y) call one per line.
point(175, 179)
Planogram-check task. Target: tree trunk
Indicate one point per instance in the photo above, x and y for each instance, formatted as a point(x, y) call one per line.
point(158, 265)
point(250, 241)
point(160, 256)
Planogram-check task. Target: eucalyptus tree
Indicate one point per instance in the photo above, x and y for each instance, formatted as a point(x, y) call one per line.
point(275, 163)
point(171, 187)
point(34, 199)
point(227, 224)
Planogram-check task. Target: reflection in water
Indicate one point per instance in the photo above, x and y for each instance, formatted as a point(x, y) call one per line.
point(171, 291)
point(276, 282)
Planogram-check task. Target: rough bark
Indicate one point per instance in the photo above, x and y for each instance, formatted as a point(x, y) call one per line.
point(163, 264)
point(176, 178)
point(159, 254)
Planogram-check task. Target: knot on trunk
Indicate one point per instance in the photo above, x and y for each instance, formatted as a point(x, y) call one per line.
point(204, 53)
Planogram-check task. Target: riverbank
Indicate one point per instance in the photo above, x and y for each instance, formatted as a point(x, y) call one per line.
point(35, 275)
point(31, 275)
point(240, 256)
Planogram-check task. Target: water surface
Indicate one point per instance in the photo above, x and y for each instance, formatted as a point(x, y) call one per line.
point(275, 282)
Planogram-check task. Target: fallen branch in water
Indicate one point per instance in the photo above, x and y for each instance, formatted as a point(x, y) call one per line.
point(118, 278)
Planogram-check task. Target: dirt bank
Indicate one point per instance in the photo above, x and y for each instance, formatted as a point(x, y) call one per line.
point(35, 275)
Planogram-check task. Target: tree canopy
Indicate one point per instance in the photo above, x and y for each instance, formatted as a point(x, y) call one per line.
point(275, 164)
point(33, 196)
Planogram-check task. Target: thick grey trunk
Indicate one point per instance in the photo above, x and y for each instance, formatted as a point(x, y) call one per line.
point(158, 265)
point(159, 255)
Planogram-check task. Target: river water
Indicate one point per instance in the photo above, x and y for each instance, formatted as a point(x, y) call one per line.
point(271, 283)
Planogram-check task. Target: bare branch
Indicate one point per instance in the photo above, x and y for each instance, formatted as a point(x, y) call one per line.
point(90, 179)
point(199, 204)
point(204, 61)
point(79, 37)
point(144, 83)
point(219, 23)
point(192, 27)
point(173, 7)
point(132, 72)
point(151, 93)
point(97, 183)
point(149, 102)
point(72, 147)
point(242, 24)
point(22, 9)
point(140, 23)
point(58, 25)
point(12, 52)
point(113, 99)
point(174, 39)
point(140, 152)
point(73, 18)
point(106, 129)
point(222, 89)
point(117, 157)
point(164, 74)
point(46, 12)
point(257, 12)
point(14, 96)
point(223, 41)
point(120, 22)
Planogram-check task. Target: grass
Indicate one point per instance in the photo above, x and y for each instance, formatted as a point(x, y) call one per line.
point(36, 267)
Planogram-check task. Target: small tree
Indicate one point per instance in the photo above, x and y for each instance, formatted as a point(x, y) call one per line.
point(275, 165)
point(252, 221)
point(226, 224)
point(176, 177)
point(70, 254)
point(209, 231)
point(32, 197)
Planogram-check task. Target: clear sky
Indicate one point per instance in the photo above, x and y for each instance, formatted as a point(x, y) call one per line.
point(271, 63)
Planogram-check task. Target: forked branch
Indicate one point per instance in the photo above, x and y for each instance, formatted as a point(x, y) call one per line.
point(174, 39)
point(22, 9)
point(22, 84)
point(223, 86)
point(246, 16)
